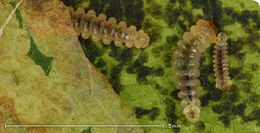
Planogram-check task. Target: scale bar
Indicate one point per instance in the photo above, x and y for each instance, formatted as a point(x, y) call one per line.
point(46, 126)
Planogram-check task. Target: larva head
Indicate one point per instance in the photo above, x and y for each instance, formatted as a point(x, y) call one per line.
point(222, 38)
point(141, 39)
point(192, 113)
point(209, 29)
point(226, 85)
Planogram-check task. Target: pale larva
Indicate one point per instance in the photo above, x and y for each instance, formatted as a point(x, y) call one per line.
point(88, 24)
point(187, 58)
point(220, 63)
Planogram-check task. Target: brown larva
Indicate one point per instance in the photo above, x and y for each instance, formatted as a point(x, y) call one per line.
point(88, 24)
point(187, 58)
point(220, 63)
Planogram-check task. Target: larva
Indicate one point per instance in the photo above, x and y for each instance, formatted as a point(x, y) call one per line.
point(220, 63)
point(88, 24)
point(186, 62)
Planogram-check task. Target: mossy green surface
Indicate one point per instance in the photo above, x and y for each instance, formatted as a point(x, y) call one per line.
point(143, 78)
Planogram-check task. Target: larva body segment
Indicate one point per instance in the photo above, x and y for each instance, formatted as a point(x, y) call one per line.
point(220, 63)
point(187, 58)
point(88, 24)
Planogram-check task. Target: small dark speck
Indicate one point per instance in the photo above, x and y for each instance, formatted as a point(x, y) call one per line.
point(158, 72)
point(117, 86)
point(171, 14)
point(115, 72)
point(168, 60)
point(258, 50)
point(154, 113)
point(202, 59)
point(254, 97)
point(156, 52)
point(233, 97)
point(217, 109)
point(182, 25)
point(170, 113)
point(125, 55)
point(172, 39)
point(139, 112)
point(233, 89)
point(246, 86)
point(130, 70)
point(226, 107)
point(167, 101)
point(239, 109)
point(103, 71)
point(142, 72)
point(205, 99)
point(174, 94)
point(235, 46)
point(101, 63)
point(182, 2)
point(162, 90)
point(16, 80)
point(245, 76)
point(254, 67)
point(242, 5)
point(215, 94)
point(246, 118)
point(205, 83)
point(154, 36)
point(240, 55)
point(200, 126)
point(140, 61)
point(206, 69)
point(228, 10)
point(225, 120)
point(234, 71)
point(258, 123)
point(255, 115)
point(156, 11)
point(172, 1)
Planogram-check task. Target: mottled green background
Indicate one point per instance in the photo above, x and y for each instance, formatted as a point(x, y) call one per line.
point(143, 78)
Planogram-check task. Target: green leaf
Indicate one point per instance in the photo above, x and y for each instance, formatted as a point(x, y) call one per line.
point(87, 130)
point(17, 13)
point(144, 78)
point(39, 58)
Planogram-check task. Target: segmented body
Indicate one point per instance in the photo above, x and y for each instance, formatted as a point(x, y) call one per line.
point(187, 58)
point(88, 24)
point(220, 63)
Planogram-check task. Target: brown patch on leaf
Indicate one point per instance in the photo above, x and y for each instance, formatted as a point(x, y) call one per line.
point(36, 4)
point(8, 116)
point(15, 79)
point(7, 111)
point(50, 21)
point(36, 130)
point(6, 104)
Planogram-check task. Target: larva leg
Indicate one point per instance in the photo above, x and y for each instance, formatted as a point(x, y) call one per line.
point(220, 63)
point(187, 58)
point(88, 24)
